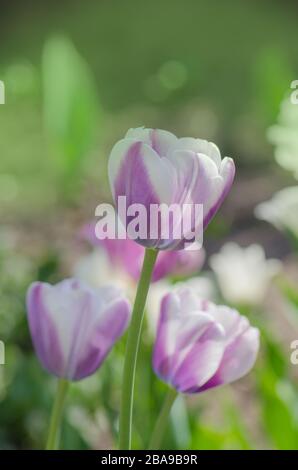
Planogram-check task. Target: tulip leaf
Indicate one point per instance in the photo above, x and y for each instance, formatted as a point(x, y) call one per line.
point(237, 426)
point(279, 410)
point(180, 423)
point(70, 103)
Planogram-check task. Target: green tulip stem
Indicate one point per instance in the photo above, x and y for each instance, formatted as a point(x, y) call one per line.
point(56, 416)
point(132, 347)
point(162, 420)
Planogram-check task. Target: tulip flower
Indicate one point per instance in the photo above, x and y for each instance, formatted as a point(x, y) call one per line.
point(200, 345)
point(73, 327)
point(153, 167)
point(126, 257)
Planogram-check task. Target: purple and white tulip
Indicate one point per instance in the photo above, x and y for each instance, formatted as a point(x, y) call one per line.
point(152, 166)
point(73, 327)
point(127, 255)
point(200, 345)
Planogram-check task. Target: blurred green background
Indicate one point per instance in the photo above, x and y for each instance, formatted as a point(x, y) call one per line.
point(77, 75)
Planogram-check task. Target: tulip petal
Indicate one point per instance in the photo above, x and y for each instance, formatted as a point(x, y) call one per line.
point(207, 355)
point(165, 344)
point(200, 146)
point(106, 332)
point(178, 263)
point(43, 331)
point(233, 323)
point(144, 179)
point(160, 141)
point(97, 323)
point(227, 173)
point(238, 359)
point(137, 172)
point(198, 182)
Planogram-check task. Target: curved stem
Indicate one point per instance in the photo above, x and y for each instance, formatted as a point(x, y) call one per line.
point(162, 420)
point(56, 416)
point(132, 347)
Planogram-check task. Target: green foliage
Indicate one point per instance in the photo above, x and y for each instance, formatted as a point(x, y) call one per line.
point(273, 75)
point(279, 410)
point(71, 106)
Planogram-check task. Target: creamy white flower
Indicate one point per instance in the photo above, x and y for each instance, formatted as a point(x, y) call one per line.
point(96, 269)
point(284, 135)
point(281, 210)
point(243, 274)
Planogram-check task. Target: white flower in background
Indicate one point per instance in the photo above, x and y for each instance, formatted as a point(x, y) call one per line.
point(281, 210)
point(96, 270)
point(243, 274)
point(202, 285)
point(90, 426)
point(284, 135)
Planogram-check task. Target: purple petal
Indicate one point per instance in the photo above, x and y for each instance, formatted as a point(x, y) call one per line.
point(180, 339)
point(139, 174)
point(198, 182)
point(162, 349)
point(111, 327)
point(200, 364)
point(88, 233)
point(238, 359)
point(228, 174)
point(166, 264)
point(179, 263)
point(44, 335)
